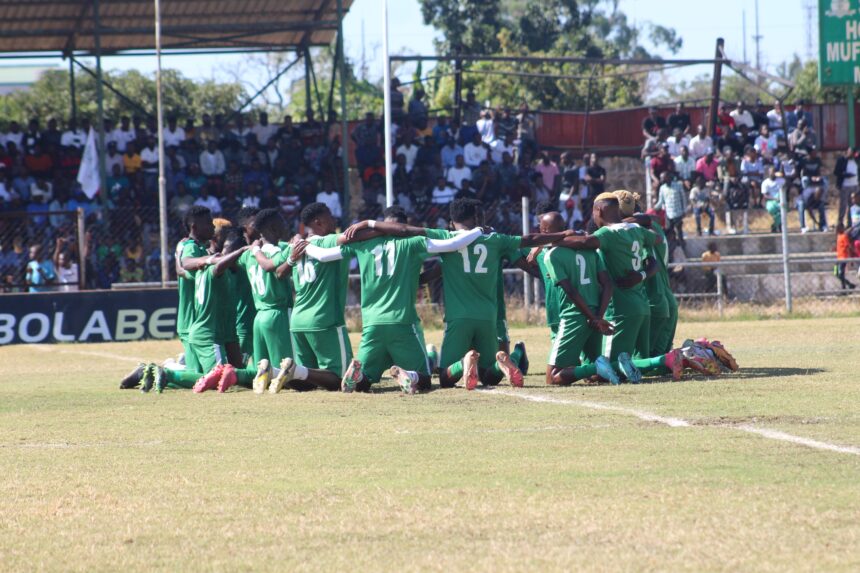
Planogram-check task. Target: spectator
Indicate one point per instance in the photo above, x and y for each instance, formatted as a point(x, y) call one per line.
point(117, 183)
point(173, 134)
point(475, 152)
point(72, 137)
point(66, 269)
point(240, 132)
point(397, 101)
point(212, 163)
point(673, 201)
point(42, 189)
point(455, 175)
point(38, 163)
point(442, 131)
point(108, 272)
point(131, 160)
point(811, 202)
point(418, 109)
point(712, 255)
point(742, 116)
point(230, 205)
point(846, 181)
point(131, 273)
point(725, 122)
point(251, 200)
point(776, 120)
point(195, 180)
point(443, 193)
point(652, 123)
point(486, 127)
point(771, 189)
point(40, 273)
point(450, 152)
point(676, 141)
point(471, 110)
point(843, 251)
point(32, 137)
point(685, 167)
point(802, 139)
point(810, 171)
point(701, 144)
point(409, 151)
point(548, 171)
point(180, 203)
point(680, 119)
point(264, 131)
point(259, 177)
point(506, 175)
point(484, 183)
point(527, 129)
point(506, 125)
point(793, 118)
point(501, 146)
point(332, 201)
point(765, 143)
point(854, 212)
point(149, 163)
point(595, 178)
point(660, 164)
point(700, 199)
point(209, 201)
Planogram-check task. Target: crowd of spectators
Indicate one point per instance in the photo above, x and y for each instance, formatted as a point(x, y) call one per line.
point(754, 154)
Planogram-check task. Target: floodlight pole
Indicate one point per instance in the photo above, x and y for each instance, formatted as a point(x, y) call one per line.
point(72, 95)
point(344, 135)
point(100, 97)
point(715, 88)
point(386, 87)
point(159, 114)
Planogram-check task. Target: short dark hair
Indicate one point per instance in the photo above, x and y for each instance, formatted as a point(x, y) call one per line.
point(195, 213)
point(236, 239)
point(545, 207)
point(463, 209)
point(245, 214)
point(266, 217)
point(395, 212)
point(313, 211)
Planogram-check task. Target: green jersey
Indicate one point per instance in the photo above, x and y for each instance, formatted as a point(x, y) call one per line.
point(320, 289)
point(267, 289)
point(245, 310)
point(657, 286)
point(624, 248)
point(580, 267)
point(389, 269)
point(501, 308)
point(185, 311)
point(211, 308)
point(552, 294)
point(471, 277)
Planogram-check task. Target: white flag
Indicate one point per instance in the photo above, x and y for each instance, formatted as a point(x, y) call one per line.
point(88, 174)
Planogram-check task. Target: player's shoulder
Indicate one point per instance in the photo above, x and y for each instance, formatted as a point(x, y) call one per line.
point(438, 234)
point(324, 241)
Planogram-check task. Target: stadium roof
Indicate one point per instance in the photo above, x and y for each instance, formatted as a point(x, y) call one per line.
point(38, 26)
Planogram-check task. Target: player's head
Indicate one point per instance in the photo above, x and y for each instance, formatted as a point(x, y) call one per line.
point(233, 239)
point(318, 218)
point(465, 213)
point(551, 222)
point(627, 202)
point(395, 214)
point(270, 224)
point(606, 210)
point(222, 227)
point(245, 221)
point(198, 223)
point(544, 207)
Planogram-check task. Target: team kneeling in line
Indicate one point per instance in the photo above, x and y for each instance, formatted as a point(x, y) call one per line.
point(610, 310)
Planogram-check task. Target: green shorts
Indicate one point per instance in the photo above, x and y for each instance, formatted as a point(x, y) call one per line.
point(203, 357)
point(272, 337)
point(463, 335)
point(246, 341)
point(327, 349)
point(632, 335)
point(574, 342)
point(385, 345)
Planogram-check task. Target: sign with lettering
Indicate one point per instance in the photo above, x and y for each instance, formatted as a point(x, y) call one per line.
point(839, 42)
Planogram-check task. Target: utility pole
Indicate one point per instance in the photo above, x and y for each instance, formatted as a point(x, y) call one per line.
point(757, 39)
point(715, 88)
point(744, 31)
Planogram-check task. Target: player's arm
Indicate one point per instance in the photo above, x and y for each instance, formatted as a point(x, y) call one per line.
point(323, 255)
point(633, 278)
point(606, 290)
point(381, 228)
point(191, 264)
point(527, 266)
point(297, 250)
point(538, 239)
point(455, 243)
point(225, 262)
point(640, 219)
point(579, 242)
point(360, 235)
point(432, 274)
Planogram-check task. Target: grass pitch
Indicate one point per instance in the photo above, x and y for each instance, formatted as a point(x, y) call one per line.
point(95, 479)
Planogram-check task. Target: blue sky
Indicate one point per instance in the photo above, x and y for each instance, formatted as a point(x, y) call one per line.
point(781, 23)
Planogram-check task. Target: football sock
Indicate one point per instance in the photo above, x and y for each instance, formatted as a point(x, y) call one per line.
point(656, 365)
point(433, 357)
point(245, 376)
point(517, 355)
point(181, 378)
point(456, 369)
point(585, 371)
point(301, 373)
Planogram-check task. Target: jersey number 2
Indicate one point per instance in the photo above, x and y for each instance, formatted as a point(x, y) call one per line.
point(583, 279)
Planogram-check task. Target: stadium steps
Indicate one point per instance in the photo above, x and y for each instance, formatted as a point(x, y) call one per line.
point(762, 244)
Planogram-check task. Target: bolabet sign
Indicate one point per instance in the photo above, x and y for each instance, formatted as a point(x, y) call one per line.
point(103, 316)
point(839, 42)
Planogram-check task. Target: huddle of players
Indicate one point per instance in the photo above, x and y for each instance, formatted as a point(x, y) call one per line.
point(609, 306)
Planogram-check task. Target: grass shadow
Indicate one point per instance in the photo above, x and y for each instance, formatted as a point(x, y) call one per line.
point(775, 372)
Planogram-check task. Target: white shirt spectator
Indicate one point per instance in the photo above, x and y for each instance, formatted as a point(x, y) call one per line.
point(685, 168)
point(486, 129)
point(455, 175)
point(331, 200)
point(16, 138)
point(211, 202)
point(443, 196)
point(742, 118)
point(173, 138)
point(675, 145)
point(498, 149)
point(701, 146)
point(774, 120)
point(410, 152)
point(264, 133)
point(251, 201)
point(67, 278)
point(212, 164)
point(76, 138)
point(5, 195)
point(766, 146)
point(404, 201)
point(148, 155)
point(123, 138)
point(850, 179)
point(241, 134)
point(474, 154)
point(111, 160)
point(46, 191)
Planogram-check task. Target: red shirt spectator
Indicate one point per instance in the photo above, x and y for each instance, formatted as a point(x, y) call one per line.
point(707, 167)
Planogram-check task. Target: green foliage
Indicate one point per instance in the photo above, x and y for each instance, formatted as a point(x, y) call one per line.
point(550, 28)
point(50, 96)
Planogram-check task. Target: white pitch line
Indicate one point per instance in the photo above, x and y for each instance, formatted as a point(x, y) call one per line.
point(679, 423)
point(97, 354)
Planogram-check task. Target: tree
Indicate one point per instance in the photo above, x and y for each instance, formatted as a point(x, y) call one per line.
point(548, 28)
point(50, 97)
